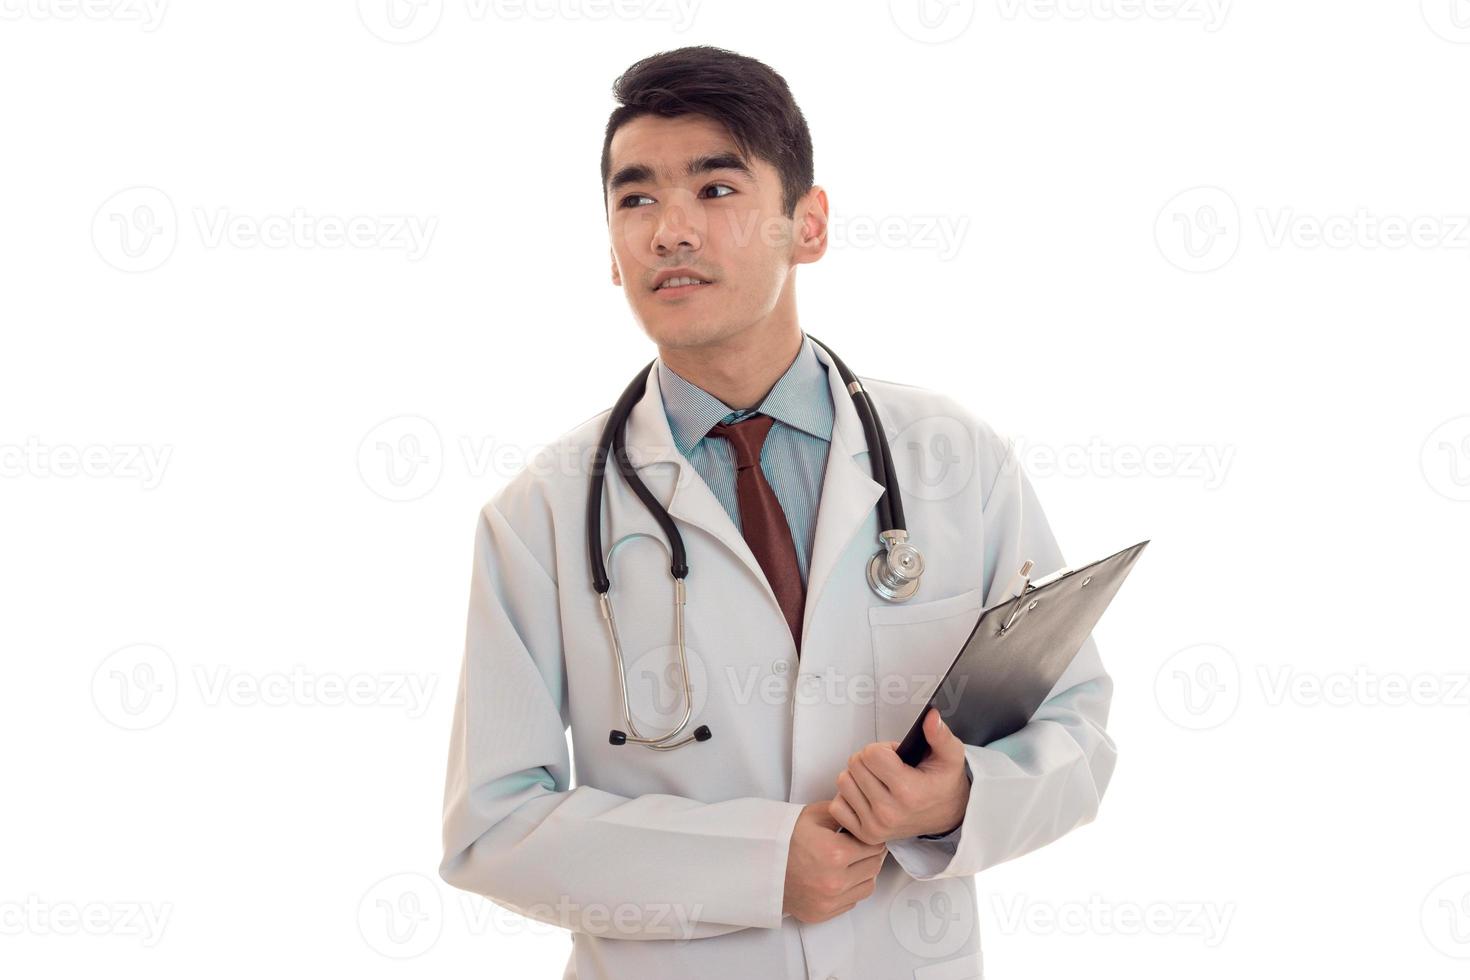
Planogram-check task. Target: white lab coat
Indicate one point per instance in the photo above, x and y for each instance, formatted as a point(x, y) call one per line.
point(672, 864)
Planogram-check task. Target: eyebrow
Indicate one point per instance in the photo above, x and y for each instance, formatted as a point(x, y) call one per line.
point(639, 173)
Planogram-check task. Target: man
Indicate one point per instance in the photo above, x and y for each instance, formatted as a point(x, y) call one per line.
point(724, 858)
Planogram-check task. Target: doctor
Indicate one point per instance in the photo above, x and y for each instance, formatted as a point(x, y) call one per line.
point(722, 858)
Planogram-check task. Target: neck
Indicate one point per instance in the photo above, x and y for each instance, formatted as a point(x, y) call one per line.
point(739, 370)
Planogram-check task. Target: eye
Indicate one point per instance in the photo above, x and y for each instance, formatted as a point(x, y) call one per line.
point(633, 197)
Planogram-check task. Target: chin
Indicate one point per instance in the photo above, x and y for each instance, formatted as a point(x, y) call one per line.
point(671, 331)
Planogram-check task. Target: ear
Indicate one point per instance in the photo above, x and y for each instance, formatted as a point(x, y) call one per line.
point(811, 226)
point(617, 277)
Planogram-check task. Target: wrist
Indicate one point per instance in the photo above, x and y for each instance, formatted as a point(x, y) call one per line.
point(960, 803)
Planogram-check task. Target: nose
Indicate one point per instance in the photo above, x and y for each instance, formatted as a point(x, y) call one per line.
point(680, 224)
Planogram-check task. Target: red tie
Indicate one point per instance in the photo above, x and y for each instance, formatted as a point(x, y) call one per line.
point(762, 520)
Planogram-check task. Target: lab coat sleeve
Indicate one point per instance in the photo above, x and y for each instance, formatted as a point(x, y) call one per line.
point(655, 866)
point(1038, 783)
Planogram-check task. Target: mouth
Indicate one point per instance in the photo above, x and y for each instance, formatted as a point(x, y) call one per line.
point(681, 286)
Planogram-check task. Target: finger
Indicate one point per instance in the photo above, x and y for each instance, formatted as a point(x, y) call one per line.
point(863, 851)
point(887, 768)
point(845, 817)
point(869, 866)
point(849, 790)
point(875, 790)
point(857, 848)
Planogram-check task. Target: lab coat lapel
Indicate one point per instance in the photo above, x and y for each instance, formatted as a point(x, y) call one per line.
point(658, 461)
point(849, 492)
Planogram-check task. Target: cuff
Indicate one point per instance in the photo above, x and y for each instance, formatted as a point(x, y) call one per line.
point(953, 832)
point(926, 855)
point(773, 909)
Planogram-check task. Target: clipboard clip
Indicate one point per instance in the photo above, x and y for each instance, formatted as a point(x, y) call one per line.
point(1021, 584)
point(1017, 589)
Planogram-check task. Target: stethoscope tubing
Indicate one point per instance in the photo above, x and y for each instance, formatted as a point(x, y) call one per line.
point(889, 507)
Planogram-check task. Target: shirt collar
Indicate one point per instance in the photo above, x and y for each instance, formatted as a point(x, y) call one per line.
point(800, 398)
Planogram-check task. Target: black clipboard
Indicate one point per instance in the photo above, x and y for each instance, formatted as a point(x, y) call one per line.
point(1018, 650)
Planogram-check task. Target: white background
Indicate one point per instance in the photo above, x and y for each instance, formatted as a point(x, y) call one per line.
point(1228, 239)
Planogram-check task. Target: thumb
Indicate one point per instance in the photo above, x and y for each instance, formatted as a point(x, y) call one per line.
point(945, 748)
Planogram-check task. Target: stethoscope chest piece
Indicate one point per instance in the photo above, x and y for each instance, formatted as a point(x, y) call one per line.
point(894, 572)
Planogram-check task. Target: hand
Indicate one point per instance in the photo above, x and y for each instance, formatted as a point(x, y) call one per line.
point(827, 873)
point(882, 798)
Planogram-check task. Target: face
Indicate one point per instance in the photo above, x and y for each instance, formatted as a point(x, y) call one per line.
point(723, 221)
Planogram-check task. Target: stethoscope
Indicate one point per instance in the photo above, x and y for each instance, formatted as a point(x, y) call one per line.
point(893, 572)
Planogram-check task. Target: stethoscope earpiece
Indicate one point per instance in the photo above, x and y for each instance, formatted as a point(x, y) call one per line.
point(701, 734)
point(893, 573)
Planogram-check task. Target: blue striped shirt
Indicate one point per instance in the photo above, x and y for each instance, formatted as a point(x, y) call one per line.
point(794, 456)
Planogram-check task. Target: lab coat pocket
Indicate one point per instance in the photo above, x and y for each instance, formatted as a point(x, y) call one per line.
point(913, 645)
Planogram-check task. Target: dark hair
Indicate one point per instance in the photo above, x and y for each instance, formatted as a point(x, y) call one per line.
point(750, 99)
